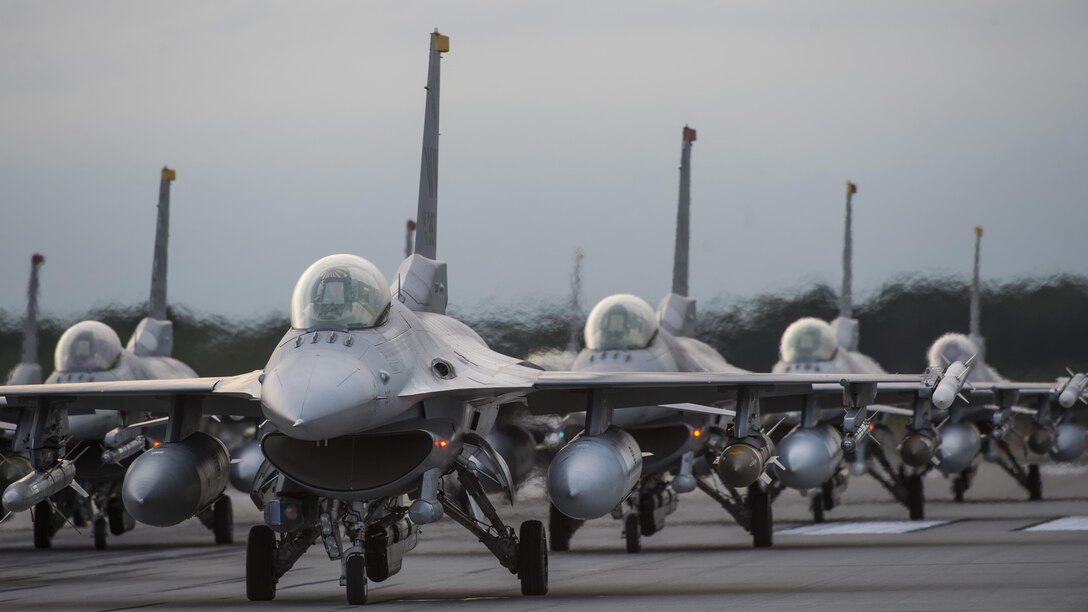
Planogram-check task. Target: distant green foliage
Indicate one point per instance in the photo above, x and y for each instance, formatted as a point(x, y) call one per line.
point(1033, 328)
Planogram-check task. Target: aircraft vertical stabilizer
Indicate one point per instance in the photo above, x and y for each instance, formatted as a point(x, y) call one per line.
point(576, 313)
point(846, 326)
point(154, 336)
point(427, 215)
point(28, 371)
point(975, 331)
point(683, 217)
point(420, 281)
point(676, 312)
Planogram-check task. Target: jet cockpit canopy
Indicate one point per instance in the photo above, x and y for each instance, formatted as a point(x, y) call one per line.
point(950, 348)
point(620, 322)
point(808, 339)
point(340, 292)
point(87, 346)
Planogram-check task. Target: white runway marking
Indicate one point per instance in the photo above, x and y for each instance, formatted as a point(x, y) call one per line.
point(862, 528)
point(1067, 523)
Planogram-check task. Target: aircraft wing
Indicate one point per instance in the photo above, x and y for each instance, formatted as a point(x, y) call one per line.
point(565, 392)
point(232, 395)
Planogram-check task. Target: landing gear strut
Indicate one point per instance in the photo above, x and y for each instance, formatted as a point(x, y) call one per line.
point(762, 526)
point(526, 556)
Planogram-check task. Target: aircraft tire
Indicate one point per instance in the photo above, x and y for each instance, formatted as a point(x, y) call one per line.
point(559, 526)
point(916, 497)
point(632, 533)
point(115, 513)
point(357, 587)
point(959, 488)
point(223, 521)
point(533, 558)
point(759, 504)
point(100, 531)
point(43, 525)
point(818, 508)
point(1035, 483)
point(260, 564)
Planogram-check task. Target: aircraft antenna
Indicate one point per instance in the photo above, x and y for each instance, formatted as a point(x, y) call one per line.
point(156, 308)
point(975, 327)
point(575, 301)
point(427, 214)
point(30, 323)
point(683, 217)
point(846, 302)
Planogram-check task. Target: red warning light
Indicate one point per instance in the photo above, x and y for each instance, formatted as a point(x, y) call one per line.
point(871, 427)
point(442, 443)
point(156, 443)
point(697, 432)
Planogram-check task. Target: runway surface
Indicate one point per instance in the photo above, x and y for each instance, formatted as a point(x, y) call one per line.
point(977, 555)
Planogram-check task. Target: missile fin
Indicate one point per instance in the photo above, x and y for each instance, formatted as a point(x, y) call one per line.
point(79, 490)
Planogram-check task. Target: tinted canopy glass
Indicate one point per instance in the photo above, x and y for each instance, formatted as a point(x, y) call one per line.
point(340, 291)
point(808, 339)
point(620, 322)
point(87, 346)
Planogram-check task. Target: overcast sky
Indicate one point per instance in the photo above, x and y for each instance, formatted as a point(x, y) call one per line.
point(295, 131)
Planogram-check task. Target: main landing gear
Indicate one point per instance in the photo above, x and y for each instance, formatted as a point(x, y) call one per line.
point(751, 511)
point(377, 535)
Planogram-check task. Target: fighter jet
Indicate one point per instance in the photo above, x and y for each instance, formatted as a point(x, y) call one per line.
point(375, 394)
point(969, 433)
point(623, 333)
point(104, 443)
point(810, 454)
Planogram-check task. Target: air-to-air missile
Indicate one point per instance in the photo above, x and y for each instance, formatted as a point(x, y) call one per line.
point(40, 485)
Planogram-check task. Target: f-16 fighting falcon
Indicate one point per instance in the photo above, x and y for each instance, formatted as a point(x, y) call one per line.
point(970, 431)
point(375, 394)
point(103, 444)
point(624, 334)
point(812, 345)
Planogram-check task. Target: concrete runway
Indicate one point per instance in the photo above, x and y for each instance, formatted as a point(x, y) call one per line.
point(982, 559)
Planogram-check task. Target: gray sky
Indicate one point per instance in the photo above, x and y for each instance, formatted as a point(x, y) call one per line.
point(295, 130)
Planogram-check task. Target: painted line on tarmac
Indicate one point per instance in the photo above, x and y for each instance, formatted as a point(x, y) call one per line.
point(1066, 523)
point(862, 528)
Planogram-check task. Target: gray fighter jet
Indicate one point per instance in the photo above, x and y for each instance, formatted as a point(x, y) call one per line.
point(624, 334)
point(973, 432)
point(811, 455)
point(375, 394)
point(103, 444)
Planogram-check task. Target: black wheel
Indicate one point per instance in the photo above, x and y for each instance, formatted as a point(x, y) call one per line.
point(916, 497)
point(223, 521)
point(261, 564)
point(533, 558)
point(632, 532)
point(1035, 483)
point(560, 526)
point(43, 525)
point(115, 513)
point(100, 533)
point(817, 507)
point(828, 491)
point(357, 587)
point(959, 488)
point(762, 527)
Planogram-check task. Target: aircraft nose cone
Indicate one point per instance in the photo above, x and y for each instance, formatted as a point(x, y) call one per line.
point(316, 396)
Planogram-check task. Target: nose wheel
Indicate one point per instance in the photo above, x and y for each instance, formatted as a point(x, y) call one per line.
point(533, 558)
point(260, 564)
point(355, 580)
point(762, 526)
point(632, 533)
